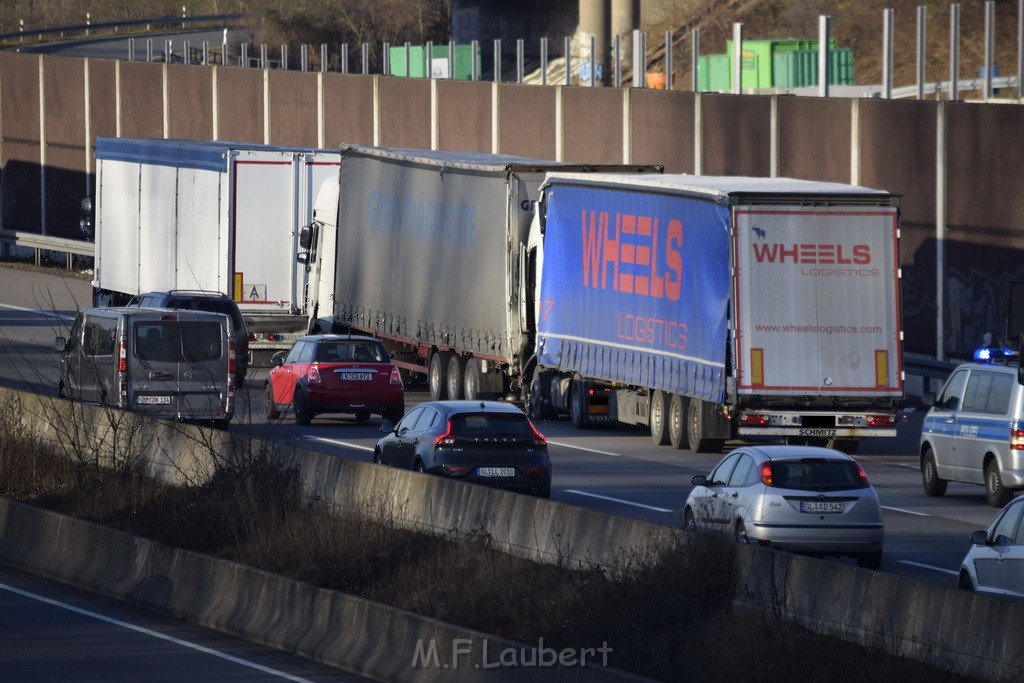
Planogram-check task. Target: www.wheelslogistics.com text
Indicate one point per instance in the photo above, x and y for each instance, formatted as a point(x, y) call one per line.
point(464, 653)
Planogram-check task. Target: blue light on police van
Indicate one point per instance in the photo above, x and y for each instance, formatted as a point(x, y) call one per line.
point(983, 355)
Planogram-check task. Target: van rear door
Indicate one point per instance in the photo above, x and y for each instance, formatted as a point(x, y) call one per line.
point(180, 366)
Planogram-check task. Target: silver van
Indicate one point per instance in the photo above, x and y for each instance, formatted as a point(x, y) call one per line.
point(974, 432)
point(166, 363)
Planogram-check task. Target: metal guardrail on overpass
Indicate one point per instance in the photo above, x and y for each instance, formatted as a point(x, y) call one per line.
point(43, 243)
point(61, 32)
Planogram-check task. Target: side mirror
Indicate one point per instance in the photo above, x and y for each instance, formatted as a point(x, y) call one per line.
point(1020, 375)
point(306, 237)
point(699, 480)
point(979, 538)
point(386, 427)
point(61, 343)
point(277, 359)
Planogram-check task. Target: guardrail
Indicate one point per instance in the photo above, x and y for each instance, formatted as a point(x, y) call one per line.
point(146, 24)
point(42, 243)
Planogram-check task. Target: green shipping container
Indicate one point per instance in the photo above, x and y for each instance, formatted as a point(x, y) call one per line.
point(799, 69)
point(463, 66)
point(786, 63)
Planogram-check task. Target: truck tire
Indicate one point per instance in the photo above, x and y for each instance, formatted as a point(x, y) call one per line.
point(437, 375)
point(696, 429)
point(456, 376)
point(677, 435)
point(472, 382)
point(578, 405)
point(933, 485)
point(657, 418)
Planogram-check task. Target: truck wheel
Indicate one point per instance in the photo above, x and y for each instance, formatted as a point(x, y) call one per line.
point(472, 381)
point(696, 430)
point(995, 490)
point(578, 405)
point(677, 435)
point(269, 407)
point(657, 417)
point(437, 375)
point(933, 485)
point(456, 376)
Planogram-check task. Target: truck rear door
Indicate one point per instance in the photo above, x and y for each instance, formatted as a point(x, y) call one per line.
point(817, 300)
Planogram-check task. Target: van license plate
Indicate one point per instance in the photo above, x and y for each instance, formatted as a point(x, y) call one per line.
point(496, 472)
point(820, 507)
point(153, 400)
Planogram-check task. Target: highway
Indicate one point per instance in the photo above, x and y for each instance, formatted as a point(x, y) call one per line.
point(619, 471)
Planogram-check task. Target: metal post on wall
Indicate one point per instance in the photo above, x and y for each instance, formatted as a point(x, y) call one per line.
point(474, 53)
point(617, 56)
point(497, 60)
point(131, 48)
point(408, 59)
point(1020, 50)
point(519, 60)
point(824, 43)
point(366, 58)
point(264, 59)
point(639, 59)
point(186, 49)
point(567, 51)
point(921, 45)
point(323, 58)
point(887, 28)
point(593, 61)
point(451, 59)
point(304, 57)
point(428, 60)
point(284, 57)
point(168, 51)
point(954, 51)
point(344, 58)
point(737, 58)
point(544, 60)
point(387, 59)
point(696, 58)
point(990, 22)
point(668, 60)
point(206, 53)
point(224, 48)
point(243, 59)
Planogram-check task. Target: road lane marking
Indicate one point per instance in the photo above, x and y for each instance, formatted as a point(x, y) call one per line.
point(581, 448)
point(154, 634)
point(909, 512)
point(928, 566)
point(617, 500)
point(32, 310)
point(337, 442)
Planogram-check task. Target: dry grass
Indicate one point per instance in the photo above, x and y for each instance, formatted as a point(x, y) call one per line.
point(666, 616)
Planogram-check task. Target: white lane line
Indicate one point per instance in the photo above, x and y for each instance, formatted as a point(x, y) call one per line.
point(928, 566)
point(617, 500)
point(48, 314)
point(581, 448)
point(336, 442)
point(154, 634)
point(909, 512)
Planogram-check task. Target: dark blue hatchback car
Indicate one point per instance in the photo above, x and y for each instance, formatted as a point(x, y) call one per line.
point(482, 442)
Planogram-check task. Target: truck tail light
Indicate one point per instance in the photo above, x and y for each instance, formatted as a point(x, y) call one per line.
point(880, 420)
point(754, 419)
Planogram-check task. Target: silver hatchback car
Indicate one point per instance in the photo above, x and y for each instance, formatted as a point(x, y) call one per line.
point(810, 500)
point(995, 562)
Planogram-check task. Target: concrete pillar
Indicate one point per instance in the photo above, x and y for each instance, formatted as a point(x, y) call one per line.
point(595, 20)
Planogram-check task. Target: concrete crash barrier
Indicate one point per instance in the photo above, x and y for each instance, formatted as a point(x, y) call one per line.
point(340, 630)
point(959, 631)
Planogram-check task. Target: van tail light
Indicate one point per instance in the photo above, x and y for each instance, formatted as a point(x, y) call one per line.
point(766, 474)
point(446, 439)
point(232, 367)
point(313, 376)
point(1017, 439)
point(538, 438)
point(122, 355)
point(396, 377)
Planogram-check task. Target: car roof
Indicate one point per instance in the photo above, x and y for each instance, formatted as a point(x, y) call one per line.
point(998, 367)
point(785, 452)
point(474, 407)
point(137, 311)
point(189, 293)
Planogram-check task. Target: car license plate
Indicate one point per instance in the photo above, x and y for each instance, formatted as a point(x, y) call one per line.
point(153, 400)
point(496, 472)
point(817, 507)
point(356, 376)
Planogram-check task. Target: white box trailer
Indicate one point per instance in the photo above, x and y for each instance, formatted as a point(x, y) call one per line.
point(216, 216)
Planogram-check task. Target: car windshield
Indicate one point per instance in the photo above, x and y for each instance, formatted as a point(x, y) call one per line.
point(351, 352)
point(478, 425)
point(817, 475)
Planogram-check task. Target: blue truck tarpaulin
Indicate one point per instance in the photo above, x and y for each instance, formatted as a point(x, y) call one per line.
point(635, 289)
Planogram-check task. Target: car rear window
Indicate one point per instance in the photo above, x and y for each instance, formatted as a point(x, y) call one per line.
point(817, 475)
point(228, 308)
point(490, 424)
point(173, 341)
point(351, 351)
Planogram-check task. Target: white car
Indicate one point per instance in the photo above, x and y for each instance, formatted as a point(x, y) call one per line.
point(815, 501)
point(995, 562)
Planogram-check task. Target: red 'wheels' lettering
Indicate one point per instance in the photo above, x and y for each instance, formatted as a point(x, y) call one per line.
point(627, 254)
